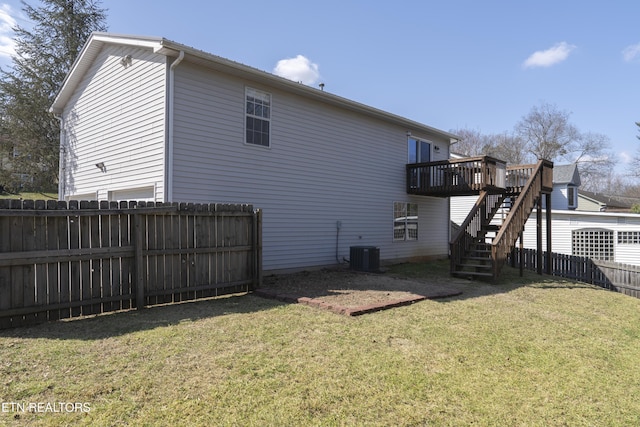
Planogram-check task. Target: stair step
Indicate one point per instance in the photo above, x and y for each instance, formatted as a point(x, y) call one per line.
point(482, 266)
point(477, 258)
point(472, 273)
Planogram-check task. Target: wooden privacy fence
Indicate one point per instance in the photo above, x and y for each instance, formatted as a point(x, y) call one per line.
point(623, 278)
point(60, 260)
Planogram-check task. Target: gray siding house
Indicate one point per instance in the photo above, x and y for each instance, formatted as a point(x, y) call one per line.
point(145, 118)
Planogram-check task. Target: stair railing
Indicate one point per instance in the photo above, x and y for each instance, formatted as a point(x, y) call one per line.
point(530, 195)
point(472, 227)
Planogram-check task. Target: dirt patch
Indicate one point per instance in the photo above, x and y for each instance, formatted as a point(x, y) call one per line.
point(353, 293)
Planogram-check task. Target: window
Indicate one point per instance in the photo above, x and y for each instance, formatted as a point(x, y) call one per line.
point(405, 221)
point(629, 237)
point(258, 117)
point(595, 243)
point(571, 197)
point(419, 151)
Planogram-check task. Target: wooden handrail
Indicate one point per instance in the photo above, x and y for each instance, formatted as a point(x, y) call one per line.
point(517, 217)
point(481, 214)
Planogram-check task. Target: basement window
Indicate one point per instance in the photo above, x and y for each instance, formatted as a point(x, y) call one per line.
point(594, 243)
point(405, 221)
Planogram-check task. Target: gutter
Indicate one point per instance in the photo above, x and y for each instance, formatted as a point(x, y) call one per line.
point(168, 195)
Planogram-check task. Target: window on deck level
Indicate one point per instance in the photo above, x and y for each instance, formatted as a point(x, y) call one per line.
point(419, 151)
point(258, 117)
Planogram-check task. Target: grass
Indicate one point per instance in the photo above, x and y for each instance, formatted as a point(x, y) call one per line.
point(527, 351)
point(29, 196)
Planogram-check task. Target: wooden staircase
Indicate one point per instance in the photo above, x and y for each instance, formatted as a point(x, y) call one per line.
point(496, 221)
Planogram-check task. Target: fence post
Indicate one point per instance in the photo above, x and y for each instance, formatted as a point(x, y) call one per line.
point(258, 246)
point(138, 260)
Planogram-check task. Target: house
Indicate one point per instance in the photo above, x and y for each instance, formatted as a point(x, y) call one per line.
point(566, 180)
point(597, 227)
point(146, 118)
point(597, 202)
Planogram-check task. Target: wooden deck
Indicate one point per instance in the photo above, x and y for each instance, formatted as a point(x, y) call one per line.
point(470, 176)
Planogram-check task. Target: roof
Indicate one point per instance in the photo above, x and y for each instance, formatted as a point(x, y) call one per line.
point(163, 46)
point(566, 174)
point(609, 201)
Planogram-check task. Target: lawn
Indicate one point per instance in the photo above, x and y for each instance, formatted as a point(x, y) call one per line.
point(533, 351)
point(30, 196)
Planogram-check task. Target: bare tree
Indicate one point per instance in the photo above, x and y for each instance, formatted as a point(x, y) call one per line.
point(547, 132)
point(594, 159)
point(471, 143)
point(510, 148)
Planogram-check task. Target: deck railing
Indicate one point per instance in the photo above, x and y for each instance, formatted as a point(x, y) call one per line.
point(456, 177)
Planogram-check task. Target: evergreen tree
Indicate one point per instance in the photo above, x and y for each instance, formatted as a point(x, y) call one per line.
point(29, 134)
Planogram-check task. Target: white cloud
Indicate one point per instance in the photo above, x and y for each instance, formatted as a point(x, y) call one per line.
point(7, 22)
point(631, 52)
point(299, 69)
point(546, 58)
point(625, 158)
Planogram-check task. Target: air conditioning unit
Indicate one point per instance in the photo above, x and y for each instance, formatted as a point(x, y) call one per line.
point(364, 258)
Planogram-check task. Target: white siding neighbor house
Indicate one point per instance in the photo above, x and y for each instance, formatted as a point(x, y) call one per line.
point(146, 118)
point(607, 236)
point(566, 180)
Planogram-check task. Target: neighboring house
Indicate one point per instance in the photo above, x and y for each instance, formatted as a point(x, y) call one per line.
point(146, 118)
point(608, 236)
point(611, 236)
point(595, 202)
point(566, 180)
point(588, 230)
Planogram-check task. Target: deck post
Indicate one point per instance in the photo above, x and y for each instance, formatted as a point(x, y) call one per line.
point(548, 215)
point(539, 236)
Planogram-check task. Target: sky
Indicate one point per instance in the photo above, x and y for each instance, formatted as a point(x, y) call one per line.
point(456, 64)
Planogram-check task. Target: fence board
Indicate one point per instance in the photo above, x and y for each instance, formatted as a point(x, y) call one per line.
point(60, 260)
point(623, 278)
point(5, 272)
point(17, 272)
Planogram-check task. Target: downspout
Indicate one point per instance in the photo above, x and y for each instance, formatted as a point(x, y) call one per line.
point(169, 152)
point(62, 161)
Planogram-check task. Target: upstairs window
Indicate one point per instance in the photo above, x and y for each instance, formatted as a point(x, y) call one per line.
point(258, 117)
point(419, 151)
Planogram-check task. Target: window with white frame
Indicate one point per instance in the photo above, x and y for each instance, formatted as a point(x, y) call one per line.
point(405, 221)
point(594, 243)
point(629, 237)
point(258, 117)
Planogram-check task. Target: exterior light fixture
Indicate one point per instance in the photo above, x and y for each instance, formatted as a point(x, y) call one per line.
point(126, 61)
point(101, 166)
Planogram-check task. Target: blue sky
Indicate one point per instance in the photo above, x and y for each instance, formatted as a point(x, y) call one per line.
point(454, 64)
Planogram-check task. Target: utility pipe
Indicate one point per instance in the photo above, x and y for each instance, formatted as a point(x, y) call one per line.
point(168, 195)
